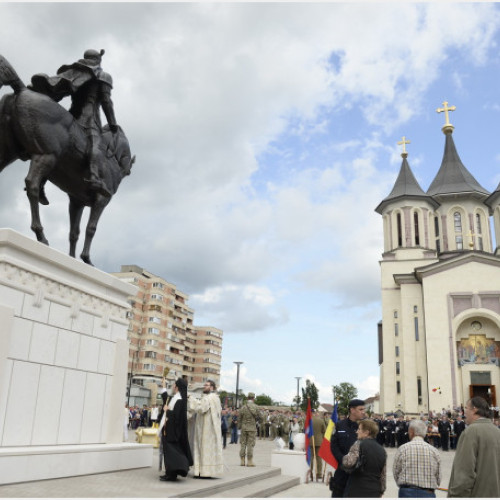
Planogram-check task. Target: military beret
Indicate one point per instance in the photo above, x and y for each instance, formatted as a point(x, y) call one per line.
point(356, 402)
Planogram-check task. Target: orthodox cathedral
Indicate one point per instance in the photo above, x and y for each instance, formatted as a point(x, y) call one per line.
point(439, 338)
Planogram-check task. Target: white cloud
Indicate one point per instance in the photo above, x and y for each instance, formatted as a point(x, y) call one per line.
point(201, 93)
point(246, 383)
point(368, 387)
point(238, 309)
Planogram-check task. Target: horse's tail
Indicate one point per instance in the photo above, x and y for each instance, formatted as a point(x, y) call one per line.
point(8, 76)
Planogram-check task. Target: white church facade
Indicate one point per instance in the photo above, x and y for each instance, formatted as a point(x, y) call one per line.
point(439, 338)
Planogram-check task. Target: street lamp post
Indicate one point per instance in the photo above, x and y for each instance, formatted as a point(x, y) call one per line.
point(237, 363)
point(298, 397)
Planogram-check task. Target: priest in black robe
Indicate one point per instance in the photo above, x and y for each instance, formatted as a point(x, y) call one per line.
point(174, 434)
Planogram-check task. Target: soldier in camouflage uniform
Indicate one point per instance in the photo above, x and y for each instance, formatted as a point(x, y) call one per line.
point(273, 429)
point(279, 429)
point(262, 427)
point(285, 427)
point(249, 414)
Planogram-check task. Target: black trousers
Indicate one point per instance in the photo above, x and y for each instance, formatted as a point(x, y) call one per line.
point(445, 438)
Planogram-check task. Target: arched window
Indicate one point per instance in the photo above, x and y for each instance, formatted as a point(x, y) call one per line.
point(478, 224)
point(399, 229)
point(436, 232)
point(457, 220)
point(415, 227)
point(479, 232)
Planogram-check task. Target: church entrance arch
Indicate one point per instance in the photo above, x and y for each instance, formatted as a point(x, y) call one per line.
point(478, 358)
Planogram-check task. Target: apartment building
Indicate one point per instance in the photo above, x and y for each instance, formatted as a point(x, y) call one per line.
point(162, 334)
point(208, 354)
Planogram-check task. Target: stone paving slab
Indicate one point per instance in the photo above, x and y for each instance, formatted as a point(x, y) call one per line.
point(144, 483)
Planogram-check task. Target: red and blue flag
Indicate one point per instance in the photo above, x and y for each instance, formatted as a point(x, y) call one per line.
point(308, 430)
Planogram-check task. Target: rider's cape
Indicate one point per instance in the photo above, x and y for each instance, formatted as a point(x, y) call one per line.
point(68, 80)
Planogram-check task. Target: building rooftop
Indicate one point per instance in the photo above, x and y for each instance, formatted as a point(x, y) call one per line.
point(406, 186)
point(453, 177)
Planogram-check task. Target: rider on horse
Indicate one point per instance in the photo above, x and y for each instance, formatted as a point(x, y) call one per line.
point(90, 89)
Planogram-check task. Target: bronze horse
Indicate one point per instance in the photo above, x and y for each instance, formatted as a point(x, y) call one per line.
point(36, 128)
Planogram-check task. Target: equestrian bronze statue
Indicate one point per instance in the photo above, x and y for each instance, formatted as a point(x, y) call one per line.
point(71, 148)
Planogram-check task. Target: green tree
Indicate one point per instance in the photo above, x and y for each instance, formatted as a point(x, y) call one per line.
point(311, 392)
point(343, 394)
point(231, 399)
point(223, 395)
point(263, 400)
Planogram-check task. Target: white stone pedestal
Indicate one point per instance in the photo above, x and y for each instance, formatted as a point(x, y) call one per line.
point(291, 462)
point(63, 365)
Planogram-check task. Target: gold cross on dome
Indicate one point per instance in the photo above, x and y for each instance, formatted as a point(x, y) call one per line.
point(404, 141)
point(445, 109)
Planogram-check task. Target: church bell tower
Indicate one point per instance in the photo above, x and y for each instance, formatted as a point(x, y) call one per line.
point(439, 338)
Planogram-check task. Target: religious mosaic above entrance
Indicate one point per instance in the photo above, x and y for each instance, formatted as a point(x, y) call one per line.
point(478, 349)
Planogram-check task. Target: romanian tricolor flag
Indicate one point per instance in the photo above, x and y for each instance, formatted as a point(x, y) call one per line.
point(308, 431)
point(324, 451)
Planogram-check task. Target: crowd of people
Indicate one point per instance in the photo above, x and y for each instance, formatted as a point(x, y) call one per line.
point(359, 446)
point(137, 417)
point(442, 432)
point(270, 424)
point(194, 432)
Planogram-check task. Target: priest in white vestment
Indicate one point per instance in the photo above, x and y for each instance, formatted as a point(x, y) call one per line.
point(207, 442)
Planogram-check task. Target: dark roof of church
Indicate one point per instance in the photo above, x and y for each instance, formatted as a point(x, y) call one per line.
point(493, 197)
point(406, 186)
point(453, 177)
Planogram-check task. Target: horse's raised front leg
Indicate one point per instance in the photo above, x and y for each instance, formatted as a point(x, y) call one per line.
point(75, 217)
point(95, 213)
point(40, 168)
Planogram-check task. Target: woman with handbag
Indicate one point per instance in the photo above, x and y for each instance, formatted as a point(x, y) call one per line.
point(366, 464)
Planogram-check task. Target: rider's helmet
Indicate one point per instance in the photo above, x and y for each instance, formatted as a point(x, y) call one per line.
point(93, 55)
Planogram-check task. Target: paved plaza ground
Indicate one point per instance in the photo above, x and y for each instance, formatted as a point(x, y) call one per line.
point(144, 483)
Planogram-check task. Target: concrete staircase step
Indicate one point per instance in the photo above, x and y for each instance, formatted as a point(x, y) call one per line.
point(229, 484)
point(261, 489)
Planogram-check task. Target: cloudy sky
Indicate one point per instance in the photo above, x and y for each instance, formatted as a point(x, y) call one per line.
point(265, 135)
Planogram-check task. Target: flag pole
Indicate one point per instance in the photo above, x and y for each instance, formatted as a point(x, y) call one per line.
point(313, 462)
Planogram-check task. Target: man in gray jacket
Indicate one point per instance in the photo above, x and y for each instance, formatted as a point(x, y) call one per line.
point(476, 468)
